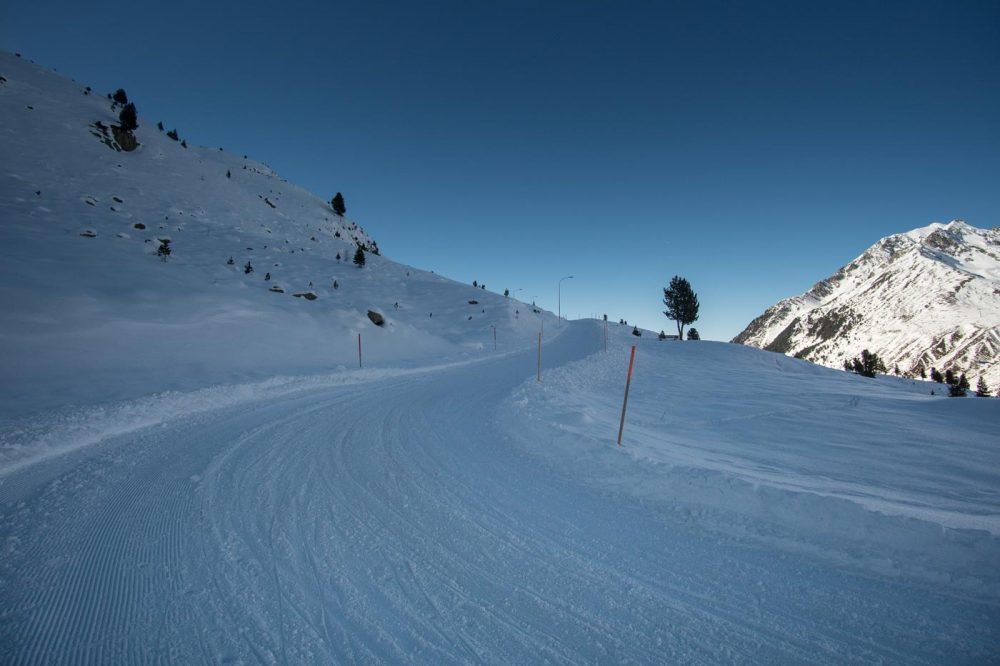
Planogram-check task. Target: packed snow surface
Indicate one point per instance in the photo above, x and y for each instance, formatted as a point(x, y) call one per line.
point(761, 509)
point(194, 469)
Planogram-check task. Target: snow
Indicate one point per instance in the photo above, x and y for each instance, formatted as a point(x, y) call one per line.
point(193, 469)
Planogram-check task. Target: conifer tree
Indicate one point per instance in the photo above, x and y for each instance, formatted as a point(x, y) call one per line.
point(338, 204)
point(128, 118)
point(693, 334)
point(867, 365)
point(982, 390)
point(681, 302)
point(120, 96)
point(164, 250)
point(248, 268)
point(936, 376)
point(949, 377)
point(359, 257)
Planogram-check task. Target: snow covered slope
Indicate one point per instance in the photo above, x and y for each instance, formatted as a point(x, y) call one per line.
point(762, 510)
point(90, 313)
point(922, 299)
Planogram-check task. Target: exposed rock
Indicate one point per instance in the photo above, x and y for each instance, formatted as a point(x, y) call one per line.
point(376, 318)
point(308, 295)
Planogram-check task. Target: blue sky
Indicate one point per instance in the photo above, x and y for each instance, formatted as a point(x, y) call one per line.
point(753, 148)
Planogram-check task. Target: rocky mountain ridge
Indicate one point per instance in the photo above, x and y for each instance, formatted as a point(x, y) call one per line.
point(926, 298)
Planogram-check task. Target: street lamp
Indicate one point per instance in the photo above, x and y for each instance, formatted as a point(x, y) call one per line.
point(568, 277)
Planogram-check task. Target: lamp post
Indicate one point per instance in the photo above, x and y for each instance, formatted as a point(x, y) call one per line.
point(568, 277)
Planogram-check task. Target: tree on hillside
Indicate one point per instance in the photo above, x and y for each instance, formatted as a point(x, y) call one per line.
point(128, 118)
point(950, 378)
point(693, 334)
point(936, 376)
point(359, 257)
point(338, 204)
point(120, 96)
point(681, 302)
point(866, 365)
point(982, 390)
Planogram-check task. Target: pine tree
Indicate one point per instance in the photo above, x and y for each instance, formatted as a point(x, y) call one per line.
point(336, 285)
point(662, 336)
point(338, 204)
point(636, 332)
point(120, 96)
point(963, 383)
point(936, 376)
point(159, 125)
point(359, 257)
point(681, 302)
point(949, 377)
point(693, 334)
point(982, 390)
point(248, 268)
point(164, 250)
point(128, 118)
point(867, 365)
point(506, 293)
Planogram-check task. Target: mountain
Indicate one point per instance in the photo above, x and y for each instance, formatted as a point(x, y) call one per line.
point(926, 298)
point(90, 312)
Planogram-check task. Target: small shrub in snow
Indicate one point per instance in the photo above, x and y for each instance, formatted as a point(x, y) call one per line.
point(359, 257)
point(636, 332)
point(173, 134)
point(230, 262)
point(248, 268)
point(267, 277)
point(164, 250)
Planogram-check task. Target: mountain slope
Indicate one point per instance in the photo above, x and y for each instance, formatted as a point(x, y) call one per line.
point(90, 313)
point(922, 299)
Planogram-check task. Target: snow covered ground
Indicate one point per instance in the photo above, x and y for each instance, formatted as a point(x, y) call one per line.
point(194, 470)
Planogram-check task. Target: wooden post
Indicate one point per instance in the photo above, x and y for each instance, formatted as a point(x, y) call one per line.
point(628, 382)
point(539, 356)
point(359, 350)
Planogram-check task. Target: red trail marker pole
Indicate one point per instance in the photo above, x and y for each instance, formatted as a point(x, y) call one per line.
point(539, 356)
point(628, 383)
point(359, 350)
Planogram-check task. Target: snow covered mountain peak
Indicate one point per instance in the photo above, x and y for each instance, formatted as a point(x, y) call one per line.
point(926, 298)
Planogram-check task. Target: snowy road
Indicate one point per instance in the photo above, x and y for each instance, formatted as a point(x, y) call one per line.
point(392, 521)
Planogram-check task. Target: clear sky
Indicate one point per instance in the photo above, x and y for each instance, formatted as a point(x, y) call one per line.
point(753, 148)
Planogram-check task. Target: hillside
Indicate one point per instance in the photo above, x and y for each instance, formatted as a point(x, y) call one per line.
point(926, 298)
point(91, 313)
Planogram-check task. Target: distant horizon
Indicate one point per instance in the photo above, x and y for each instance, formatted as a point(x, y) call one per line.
point(753, 150)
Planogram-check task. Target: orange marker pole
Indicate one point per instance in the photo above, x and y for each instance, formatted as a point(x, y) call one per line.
point(628, 383)
point(539, 356)
point(359, 350)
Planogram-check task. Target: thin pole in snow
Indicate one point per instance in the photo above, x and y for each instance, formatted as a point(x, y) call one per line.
point(605, 335)
point(628, 382)
point(359, 350)
point(494, 338)
point(539, 356)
